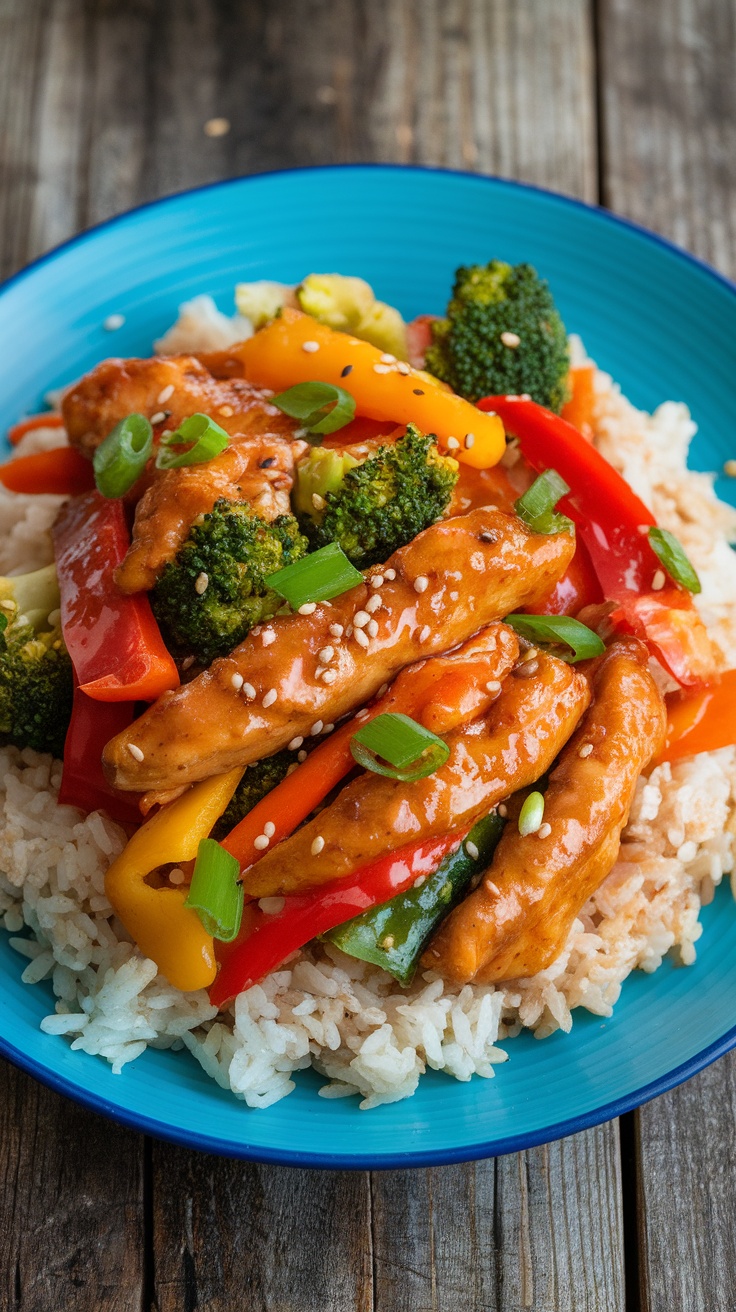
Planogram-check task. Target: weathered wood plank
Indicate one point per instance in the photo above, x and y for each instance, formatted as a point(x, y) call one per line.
point(71, 1190)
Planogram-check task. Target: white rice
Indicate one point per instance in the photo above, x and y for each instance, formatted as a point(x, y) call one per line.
point(351, 1021)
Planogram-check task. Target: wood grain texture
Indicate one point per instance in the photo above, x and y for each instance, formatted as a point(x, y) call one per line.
point(71, 1205)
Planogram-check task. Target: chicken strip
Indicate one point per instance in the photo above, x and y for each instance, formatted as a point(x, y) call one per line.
point(506, 749)
point(259, 470)
point(517, 921)
point(173, 387)
point(299, 672)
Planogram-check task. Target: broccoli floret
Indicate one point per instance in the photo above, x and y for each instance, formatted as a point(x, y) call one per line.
point(36, 683)
point(350, 305)
point(262, 301)
point(257, 781)
point(235, 550)
point(502, 335)
point(374, 507)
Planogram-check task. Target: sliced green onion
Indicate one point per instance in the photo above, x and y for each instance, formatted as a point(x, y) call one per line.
point(207, 441)
point(542, 629)
point(216, 893)
point(672, 555)
point(531, 814)
point(120, 460)
point(320, 576)
point(412, 752)
point(536, 507)
point(321, 407)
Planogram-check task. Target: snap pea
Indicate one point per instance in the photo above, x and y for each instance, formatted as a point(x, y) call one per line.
point(394, 934)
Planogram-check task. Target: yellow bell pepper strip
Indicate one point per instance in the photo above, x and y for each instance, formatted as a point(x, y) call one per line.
point(166, 930)
point(276, 357)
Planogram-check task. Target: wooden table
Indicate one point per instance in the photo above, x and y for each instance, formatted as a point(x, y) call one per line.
point(628, 102)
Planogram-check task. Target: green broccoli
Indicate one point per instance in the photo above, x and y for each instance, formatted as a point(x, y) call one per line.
point(257, 781)
point(36, 683)
point(350, 305)
point(502, 335)
point(375, 506)
point(210, 596)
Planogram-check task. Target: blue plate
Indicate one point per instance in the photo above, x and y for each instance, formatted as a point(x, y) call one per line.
point(665, 327)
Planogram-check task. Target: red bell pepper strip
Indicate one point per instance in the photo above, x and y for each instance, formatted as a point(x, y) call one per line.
point(62, 470)
point(613, 523)
point(701, 719)
point(117, 651)
point(83, 783)
point(266, 940)
point(577, 588)
point(19, 430)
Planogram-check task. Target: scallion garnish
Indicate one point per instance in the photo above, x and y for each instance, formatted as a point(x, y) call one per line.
point(216, 893)
point(537, 506)
point(205, 438)
point(580, 641)
point(412, 752)
point(672, 555)
point(320, 576)
point(531, 814)
point(119, 461)
point(320, 407)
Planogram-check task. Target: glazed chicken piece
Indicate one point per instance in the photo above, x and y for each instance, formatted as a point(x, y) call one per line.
point(517, 921)
point(259, 470)
point(116, 388)
point(509, 747)
point(279, 683)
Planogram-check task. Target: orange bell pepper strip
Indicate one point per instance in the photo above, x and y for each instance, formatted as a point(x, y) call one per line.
point(441, 692)
point(19, 430)
point(166, 930)
point(62, 470)
point(275, 357)
point(117, 651)
point(701, 720)
point(578, 411)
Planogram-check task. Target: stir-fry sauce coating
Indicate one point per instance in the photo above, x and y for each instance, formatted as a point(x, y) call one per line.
point(257, 470)
point(172, 387)
point(434, 593)
point(509, 747)
point(516, 922)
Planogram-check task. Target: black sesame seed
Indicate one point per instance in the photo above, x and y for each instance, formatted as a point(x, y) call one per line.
point(488, 536)
point(417, 391)
point(347, 370)
point(266, 464)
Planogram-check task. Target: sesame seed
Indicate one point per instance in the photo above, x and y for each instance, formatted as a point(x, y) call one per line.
point(159, 417)
point(426, 631)
point(329, 676)
point(421, 879)
point(452, 444)
point(310, 347)
point(347, 370)
point(373, 604)
point(302, 757)
point(176, 876)
point(417, 391)
point(326, 655)
point(320, 670)
point(328, 728)
point(249, 691)
point(377, 581)
point(531, 666)
point(318, 502)
point(421, 583)
point(317, 727)
point(472, 850)
point(217, 127)
point(510, 339)
point(387, 358)
point(487, 537)
point(236, 681)
point(382, 690)
point(387, 942)
point(493, 685)
point(268, 637)
point(292, 768)
point(269, 698)
point(585, 750)
point(296, 743)
point(7, 605)
point(503, 810)
point(200, 584)
point(113, 322)
point(372, 627)
point(390, 574)
point(269, 829)
point(187, 663)
point(729, 468)
point(226, 411)
point(544, 830)
point(362, 638)
point(349, 631)
point(403, 368)
point(308, 608)
point(317, 845)
point(469, 440)
point(135, 752)
point(271, 906)
point(260, 843)
point(360, 619)
point(336, 630)
point(382, 368)
point(658, 580)
point(164, 394)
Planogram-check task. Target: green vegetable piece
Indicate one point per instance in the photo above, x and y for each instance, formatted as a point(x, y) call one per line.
point(207, 438)
point(536, 507)
point(119, 461)
point(531, 814)
point(349, 305)
point(672, 555)
point(551, 630)
point(412, 752)
point(320, 576)
point(395, 934)
point(502, 336)
point(262, 301)
point(36, 681)
point(321, 407)
point(216, 893)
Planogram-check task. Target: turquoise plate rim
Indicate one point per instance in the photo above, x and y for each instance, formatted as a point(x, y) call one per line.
point(559, 1128)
